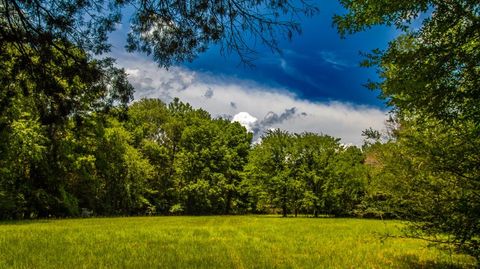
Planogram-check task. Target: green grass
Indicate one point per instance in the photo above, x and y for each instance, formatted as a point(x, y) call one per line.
point(215, 242)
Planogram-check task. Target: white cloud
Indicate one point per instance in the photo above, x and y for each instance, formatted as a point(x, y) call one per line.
point(333, 59)
point(343, 120)
point(246, 120)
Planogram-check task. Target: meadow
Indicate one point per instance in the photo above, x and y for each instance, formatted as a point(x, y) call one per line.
point(216, 242)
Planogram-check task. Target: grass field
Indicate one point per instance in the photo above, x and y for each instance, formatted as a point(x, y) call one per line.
point(215, 242)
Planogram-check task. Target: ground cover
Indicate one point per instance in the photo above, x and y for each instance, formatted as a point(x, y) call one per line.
point(216, 242)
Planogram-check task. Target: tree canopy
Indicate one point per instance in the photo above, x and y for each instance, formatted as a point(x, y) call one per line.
point(427, 171)
point(433, 66)
point(172, 31)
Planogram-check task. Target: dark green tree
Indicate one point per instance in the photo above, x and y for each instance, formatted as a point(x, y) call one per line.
point(317, 154)
point(198, 160)
point(269, 170)
point(430, 74)
point(426, 177)
point(433, 66)
point(172, 31)
point(49, 95)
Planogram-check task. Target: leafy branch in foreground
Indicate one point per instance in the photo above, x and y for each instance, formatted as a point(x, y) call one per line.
point(430, 74)
point(172, 31)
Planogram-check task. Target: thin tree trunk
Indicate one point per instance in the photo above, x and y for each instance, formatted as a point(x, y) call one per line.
point(284, 210)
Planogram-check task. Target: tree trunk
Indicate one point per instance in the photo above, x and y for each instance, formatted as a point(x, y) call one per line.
point(284, 210)
point(228, 203)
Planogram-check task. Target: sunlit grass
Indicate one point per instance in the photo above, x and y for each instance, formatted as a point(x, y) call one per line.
point(215, 242)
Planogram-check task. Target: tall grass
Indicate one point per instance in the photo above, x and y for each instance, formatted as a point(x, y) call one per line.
point(215, 242)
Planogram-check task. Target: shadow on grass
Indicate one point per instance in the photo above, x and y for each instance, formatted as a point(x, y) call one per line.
point(412, 261)
point(23, 222)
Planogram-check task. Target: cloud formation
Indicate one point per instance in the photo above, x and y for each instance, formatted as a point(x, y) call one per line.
point(333, 59)
point(208, 93)
point(225, 97)
point(246, 120)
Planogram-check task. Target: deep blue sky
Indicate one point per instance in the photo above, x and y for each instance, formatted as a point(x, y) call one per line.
point(317, 65)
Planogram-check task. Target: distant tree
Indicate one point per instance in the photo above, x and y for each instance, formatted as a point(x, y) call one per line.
point(122, 172)
point(269, 170)
point(209, 164)
point(305, 173)
point(349, 181)
point(316, 155)
point(235, 148)
point(198, 160)
point(149, 121)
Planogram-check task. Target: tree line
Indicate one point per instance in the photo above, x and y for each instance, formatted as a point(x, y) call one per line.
point(156, 158)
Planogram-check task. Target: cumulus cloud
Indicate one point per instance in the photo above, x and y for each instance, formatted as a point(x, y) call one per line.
point(270, 107)
point(246, 120)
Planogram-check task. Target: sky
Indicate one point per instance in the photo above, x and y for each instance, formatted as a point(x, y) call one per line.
point(314, 85)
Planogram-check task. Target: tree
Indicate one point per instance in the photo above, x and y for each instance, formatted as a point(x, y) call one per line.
point(149, 121)
point(198, 160)
point(349, 181)
point(430, 74)
point(173, 31)
point(44, 94)
point(235, 147)
point(269, 170)
point(211, 156)
point(317, 154)
point(426, 176)
point(305, 172)
point(124, 172)
point(26, 148)
point(433, 68)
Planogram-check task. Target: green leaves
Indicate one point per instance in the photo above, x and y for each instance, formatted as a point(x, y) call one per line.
point(428, 171)
point(26, 139)
point(307, 173)
point(198, 160)
point(431, 69)
point(171, 31)
point(430, 176)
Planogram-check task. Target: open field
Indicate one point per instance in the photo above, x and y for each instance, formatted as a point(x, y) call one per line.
point(215, 242)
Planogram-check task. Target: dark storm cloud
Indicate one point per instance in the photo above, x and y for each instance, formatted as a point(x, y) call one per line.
point(273, 118)
point(208, 94)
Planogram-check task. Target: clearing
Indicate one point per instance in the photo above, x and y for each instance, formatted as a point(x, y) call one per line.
point(215, 242)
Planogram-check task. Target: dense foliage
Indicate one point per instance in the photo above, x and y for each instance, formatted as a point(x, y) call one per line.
point(155, 158)
point(428, 171)
point(49, 116)
point(171, 30)
point(306, 173)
